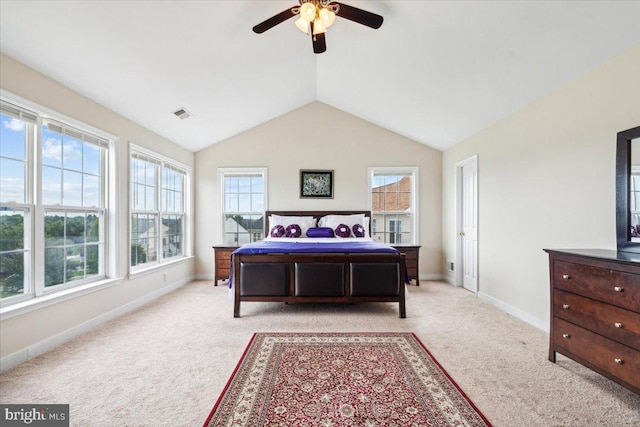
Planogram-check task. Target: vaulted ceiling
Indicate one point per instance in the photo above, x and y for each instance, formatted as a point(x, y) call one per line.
point(436, 72)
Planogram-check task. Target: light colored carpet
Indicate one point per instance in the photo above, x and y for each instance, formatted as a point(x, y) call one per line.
point(166, 363)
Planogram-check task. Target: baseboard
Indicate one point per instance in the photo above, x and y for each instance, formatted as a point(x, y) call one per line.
point(432, 277)
point(203, 277)
point(515, 312)
point(11, 360)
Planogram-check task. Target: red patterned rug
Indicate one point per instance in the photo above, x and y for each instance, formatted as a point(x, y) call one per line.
point(341, 379)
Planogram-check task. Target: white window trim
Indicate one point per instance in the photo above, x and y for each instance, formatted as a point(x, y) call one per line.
point(222, 173)
point(135, 271)
point(415, 213)
point(38, 296)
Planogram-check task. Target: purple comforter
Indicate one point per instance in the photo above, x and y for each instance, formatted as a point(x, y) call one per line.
point(272, 247)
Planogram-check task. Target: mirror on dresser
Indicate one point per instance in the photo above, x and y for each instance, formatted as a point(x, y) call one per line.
point(628, 190)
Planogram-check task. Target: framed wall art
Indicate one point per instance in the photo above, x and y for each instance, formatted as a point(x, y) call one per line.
point(316, 184)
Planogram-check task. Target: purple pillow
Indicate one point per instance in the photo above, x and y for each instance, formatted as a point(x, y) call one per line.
point(320, 232)
point(358, 230)
point(343, 230)
point(277, 231)
point(293, 230)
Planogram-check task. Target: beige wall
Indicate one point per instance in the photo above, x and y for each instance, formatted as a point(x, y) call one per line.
point(317, 136)
point(26, 332)
point(546, 180)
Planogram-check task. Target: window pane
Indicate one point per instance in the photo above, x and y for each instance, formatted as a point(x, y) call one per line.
point(93, 228)
point(150, 171)
point(12, 277)
point(244, 203)
point(54, 229)
point(75, 224)
point(93, 260)
point(91, 159)
point(172, 241)
point(150, 199)
point(231, 203)
point(75, 263)
point(72, 188)
point(91, 191)
point(231, 184)
point(12, 180)
point(144, 239)
point(257, 184)
point(51, 186)
point(13, 134)
point(53, 266)
point(71, 153)
point(51, 148)
point(11, 230)
point(257, 202)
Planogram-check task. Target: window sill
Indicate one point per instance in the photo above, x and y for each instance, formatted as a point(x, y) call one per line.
point(157, 267)
point(46, 300)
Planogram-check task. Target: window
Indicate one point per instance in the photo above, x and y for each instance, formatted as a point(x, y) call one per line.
point(393, 203)
point(158, 209)
point(52, 229)
point(244, 201)
point(72, 197)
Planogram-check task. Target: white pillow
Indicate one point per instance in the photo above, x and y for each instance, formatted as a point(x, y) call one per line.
point(305, 222)
point(335, 220)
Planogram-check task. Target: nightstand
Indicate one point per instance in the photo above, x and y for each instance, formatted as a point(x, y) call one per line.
point(222, 262)
point(411, 257)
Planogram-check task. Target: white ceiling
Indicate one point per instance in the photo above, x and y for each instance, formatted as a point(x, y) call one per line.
point(436, 72)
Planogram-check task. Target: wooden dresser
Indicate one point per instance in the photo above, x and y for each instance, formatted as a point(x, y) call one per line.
point(595, 311)
point(222, 262)
point(411, 256)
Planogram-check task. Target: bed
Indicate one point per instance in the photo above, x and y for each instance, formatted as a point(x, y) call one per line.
point(319, 269)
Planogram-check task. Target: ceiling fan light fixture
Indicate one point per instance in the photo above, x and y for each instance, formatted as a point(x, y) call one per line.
point(327, 16)
point(308, 11)
point(302, 25)
point(318, 27)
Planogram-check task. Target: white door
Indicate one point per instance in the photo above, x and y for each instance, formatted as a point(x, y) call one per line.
point(469, 224)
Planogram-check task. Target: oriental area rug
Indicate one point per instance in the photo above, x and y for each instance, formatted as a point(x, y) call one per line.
point(341, 379)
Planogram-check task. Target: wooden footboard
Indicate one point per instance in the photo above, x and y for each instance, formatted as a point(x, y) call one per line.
point(330, 277)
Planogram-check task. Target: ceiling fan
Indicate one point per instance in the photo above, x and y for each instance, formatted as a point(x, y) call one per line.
point(318, 15)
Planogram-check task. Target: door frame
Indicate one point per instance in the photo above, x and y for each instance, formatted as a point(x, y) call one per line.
point(458, 271)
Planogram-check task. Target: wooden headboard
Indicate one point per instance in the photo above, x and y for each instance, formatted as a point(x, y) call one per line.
point(316, 214)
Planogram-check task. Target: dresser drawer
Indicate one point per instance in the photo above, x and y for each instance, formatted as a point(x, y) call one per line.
point(611, 286)
point(618, 360)
point(616, 323)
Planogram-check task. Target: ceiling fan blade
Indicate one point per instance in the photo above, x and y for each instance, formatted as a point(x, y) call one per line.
point(273, 21)
point(360, 16)
point(319, 43)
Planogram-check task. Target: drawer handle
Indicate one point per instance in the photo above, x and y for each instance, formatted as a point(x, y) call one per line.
point(565, 306)
point(566, 277)
point(618, 288)
point(618, 361)
point(618, 325)
point(565, 335)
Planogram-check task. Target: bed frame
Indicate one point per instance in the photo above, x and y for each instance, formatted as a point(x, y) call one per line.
point(318, 277)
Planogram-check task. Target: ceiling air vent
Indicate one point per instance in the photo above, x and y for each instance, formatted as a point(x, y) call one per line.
point(182, 113)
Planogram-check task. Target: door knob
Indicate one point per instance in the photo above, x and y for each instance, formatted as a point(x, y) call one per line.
point(462, 233)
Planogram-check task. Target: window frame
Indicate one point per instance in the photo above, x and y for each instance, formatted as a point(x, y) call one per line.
point(37, 294)
point(225, 172)
point(161, 162)
point(415, 207)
